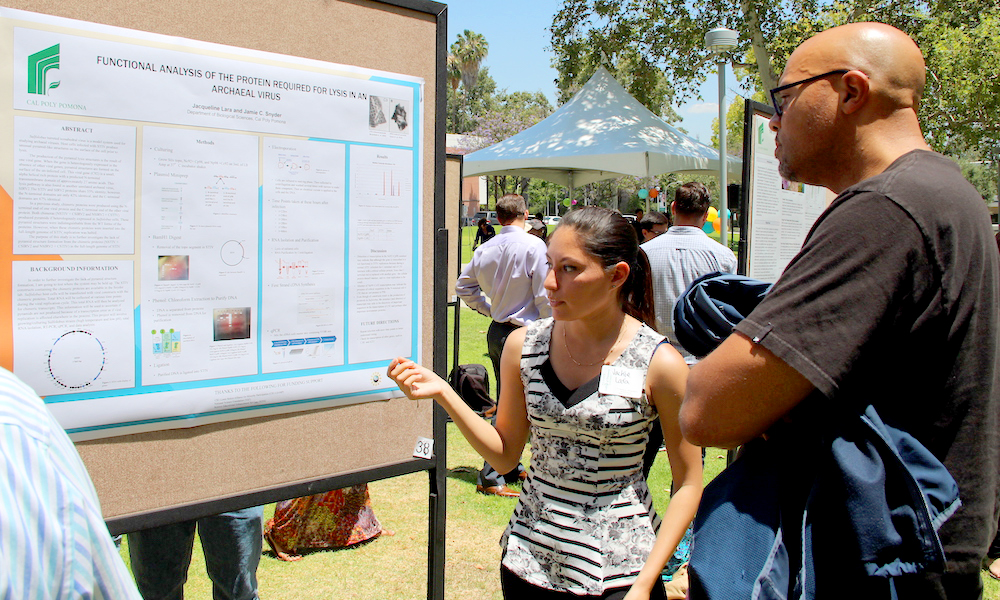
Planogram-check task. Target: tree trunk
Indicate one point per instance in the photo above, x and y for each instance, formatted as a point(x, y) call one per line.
point(767, 76)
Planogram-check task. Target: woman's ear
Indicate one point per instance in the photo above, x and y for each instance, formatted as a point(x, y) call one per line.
point(619, 274)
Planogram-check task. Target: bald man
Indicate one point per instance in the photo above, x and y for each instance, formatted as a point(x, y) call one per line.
point(891, 302)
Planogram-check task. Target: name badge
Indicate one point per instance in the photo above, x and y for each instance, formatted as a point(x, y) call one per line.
point(621, 381)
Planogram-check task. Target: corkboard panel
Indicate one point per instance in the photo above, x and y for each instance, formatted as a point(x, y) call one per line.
point(161, 471)
point(452, 216)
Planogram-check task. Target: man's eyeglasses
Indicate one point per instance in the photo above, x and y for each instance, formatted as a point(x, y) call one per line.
point(774, 93)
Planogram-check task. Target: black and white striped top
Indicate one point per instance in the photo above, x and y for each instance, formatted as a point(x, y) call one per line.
point(585, 520)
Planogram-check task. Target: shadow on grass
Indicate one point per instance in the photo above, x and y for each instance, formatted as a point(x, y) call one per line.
point(464, 473)
point(303, 552)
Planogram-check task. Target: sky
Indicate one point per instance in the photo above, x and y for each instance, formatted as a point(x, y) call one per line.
point(520, 58)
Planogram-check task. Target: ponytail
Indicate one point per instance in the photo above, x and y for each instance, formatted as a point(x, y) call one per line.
point(637, 292)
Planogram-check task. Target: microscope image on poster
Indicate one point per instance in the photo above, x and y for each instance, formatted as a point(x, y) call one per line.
point(390, 115)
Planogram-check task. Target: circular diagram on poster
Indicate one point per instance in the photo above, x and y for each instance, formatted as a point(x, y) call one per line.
point(76, 359)
point(232, 253)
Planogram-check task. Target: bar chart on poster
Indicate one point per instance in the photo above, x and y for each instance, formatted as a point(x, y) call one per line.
point(201, 232)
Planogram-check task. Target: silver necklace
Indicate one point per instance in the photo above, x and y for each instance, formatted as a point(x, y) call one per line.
point(621, 332)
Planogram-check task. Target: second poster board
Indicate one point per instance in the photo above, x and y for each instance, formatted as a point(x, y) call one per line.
point(776, 214)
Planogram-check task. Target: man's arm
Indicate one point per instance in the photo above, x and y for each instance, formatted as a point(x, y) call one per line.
point(737, 392)
point(467, 288)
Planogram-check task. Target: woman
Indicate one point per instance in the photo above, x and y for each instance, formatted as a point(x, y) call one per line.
point(587, 386)
point(484, 233)
point(336, 519)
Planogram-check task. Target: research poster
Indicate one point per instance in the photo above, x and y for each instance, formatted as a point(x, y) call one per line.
point(781, 212)
point(200, 233)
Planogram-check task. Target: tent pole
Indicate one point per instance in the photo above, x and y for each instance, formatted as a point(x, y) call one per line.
point(723, 167)
point(645, 155)
point(571, 190)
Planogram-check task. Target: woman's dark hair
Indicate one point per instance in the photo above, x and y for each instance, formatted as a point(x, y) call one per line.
point(609, 238)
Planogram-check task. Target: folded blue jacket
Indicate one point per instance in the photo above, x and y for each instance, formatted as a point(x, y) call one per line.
point(712, 305)
point(835, 512)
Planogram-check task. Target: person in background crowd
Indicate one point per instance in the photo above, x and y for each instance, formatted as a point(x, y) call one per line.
point(232, 543)
point(538, 227)
point(505, 281)
point(484, 233)
point(336, 519)
point(683, 254)
point(652, 225)
point(639, 214)
point(991, 564)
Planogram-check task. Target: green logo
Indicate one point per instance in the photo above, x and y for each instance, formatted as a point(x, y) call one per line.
point(760, 133)
point(39, 65)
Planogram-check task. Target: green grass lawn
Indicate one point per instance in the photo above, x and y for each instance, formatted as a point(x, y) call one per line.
point(395, 567)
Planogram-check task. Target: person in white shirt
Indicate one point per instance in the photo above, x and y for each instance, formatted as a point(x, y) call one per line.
point(682, 254)
point(55, 544)
point(505, 281)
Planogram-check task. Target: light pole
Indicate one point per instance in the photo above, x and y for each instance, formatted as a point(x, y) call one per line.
point(719, 41)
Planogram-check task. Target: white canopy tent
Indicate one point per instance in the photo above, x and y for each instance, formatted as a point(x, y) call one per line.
point(602, 132)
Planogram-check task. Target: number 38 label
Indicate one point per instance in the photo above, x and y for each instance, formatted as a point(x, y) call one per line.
point(424, 448)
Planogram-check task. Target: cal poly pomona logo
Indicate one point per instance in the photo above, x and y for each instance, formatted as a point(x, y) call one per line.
point(39, 65)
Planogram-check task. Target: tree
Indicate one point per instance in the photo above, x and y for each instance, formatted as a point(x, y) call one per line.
point(734, 124)
point(578, 59)
point(464, 67)
point(454, 72)
point(476, 108)
point(470, 50)
point(958, 38)
point(508, 115)
point(545, 197)
point(467, 105)
point(961, 104)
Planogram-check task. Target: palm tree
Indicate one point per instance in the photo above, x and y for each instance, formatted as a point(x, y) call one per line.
point(454, 72)
point(470, 50)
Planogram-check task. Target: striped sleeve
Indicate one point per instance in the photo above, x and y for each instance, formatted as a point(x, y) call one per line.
point(53, 540)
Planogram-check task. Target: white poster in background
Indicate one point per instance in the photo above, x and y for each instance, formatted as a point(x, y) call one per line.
point(74, 187)
point(381, 247)
point(199, 255)
point(248, 247)
point(782, 211)
point(303, 254)
point(73, 325)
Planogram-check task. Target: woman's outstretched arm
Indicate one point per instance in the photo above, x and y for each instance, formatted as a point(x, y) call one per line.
point(665, 384)
point(501, 446)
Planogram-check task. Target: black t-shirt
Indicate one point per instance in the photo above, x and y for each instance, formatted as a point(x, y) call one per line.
point(893, 301)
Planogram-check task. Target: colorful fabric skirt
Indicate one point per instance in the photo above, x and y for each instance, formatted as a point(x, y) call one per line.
point(335, 519)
